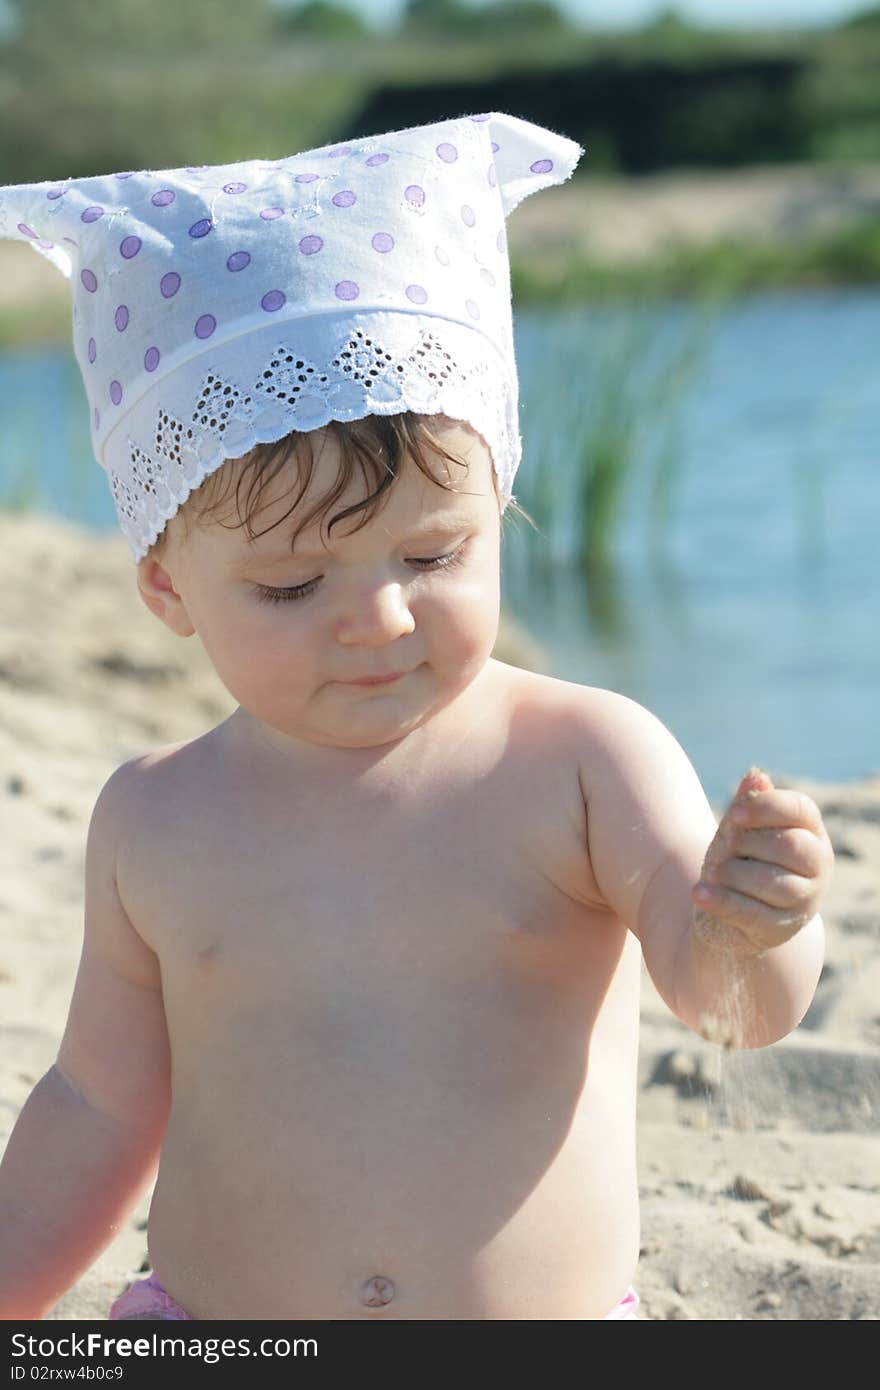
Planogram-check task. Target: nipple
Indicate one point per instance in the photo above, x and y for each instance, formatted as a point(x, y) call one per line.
point(377, 1291)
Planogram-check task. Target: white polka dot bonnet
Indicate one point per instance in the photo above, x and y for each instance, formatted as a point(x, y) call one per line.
point(222, 306)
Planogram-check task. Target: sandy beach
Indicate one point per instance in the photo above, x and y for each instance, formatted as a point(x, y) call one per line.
point(760, 1172)
point(626, 220)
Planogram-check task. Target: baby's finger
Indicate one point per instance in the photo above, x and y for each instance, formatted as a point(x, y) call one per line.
point(794, 849)
point(755, 780)
point(765, 885)
point(722, 935)
point(778, 808)
point(734, 916)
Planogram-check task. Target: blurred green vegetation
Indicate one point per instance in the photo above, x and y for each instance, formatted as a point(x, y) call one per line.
point(87, 86)
point(90, 86)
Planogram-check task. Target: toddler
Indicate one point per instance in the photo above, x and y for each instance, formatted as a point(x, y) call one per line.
point(360, 969)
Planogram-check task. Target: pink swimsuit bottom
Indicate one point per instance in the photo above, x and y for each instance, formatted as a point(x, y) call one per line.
point(147, 1301)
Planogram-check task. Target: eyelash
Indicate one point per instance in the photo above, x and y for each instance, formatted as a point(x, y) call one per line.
point(296, 591)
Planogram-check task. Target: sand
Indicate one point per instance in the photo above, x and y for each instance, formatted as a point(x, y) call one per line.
point(760, 1171)
point(624, 220)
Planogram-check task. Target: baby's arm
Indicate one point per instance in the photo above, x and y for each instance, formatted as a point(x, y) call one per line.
point(649, 828)
point(87, 1139)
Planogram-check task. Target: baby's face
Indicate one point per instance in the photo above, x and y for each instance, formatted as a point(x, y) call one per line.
point(415, 590)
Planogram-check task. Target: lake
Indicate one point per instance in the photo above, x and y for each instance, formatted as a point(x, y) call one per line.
point(746, 616)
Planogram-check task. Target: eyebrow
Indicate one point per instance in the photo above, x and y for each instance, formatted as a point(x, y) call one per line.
point(445, 525)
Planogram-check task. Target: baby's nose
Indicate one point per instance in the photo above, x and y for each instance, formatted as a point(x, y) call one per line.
point(378, 613)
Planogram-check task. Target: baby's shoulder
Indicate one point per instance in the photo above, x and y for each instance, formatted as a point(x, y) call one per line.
point(590, 711)
point(153, 788)
point(610, 737)
point(153, 802)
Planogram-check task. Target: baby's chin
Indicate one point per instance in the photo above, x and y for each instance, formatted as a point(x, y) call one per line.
point(370, 731)
point(374, 729)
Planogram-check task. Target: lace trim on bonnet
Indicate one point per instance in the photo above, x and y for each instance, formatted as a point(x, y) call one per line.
point(232, 414)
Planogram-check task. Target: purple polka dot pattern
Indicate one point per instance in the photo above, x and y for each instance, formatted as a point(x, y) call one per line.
point(234, 280)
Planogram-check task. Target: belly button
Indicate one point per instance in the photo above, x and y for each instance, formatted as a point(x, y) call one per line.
point(377, 1291)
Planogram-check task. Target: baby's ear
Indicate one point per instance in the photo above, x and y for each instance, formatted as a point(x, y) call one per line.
point(157, 590)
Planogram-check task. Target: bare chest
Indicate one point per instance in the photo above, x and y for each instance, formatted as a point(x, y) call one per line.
point(478, 875)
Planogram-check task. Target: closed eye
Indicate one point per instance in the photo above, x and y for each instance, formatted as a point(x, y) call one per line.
point(296, 591)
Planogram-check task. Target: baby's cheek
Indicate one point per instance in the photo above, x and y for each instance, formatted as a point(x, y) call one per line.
point(470, 628)
point(250, 657)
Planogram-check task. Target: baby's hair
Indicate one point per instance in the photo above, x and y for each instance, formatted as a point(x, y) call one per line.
point(378, 444)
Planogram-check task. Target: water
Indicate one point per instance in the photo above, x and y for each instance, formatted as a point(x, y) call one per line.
point(752, 632)
point(748, 621)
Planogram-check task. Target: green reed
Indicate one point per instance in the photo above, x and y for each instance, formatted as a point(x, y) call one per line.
point(607, 401)
point(19, 487)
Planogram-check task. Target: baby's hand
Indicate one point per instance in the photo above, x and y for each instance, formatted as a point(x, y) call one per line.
point(766, 870)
